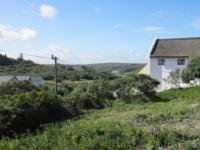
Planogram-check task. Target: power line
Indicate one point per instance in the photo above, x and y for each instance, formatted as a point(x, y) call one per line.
point(43, 57)
point(34, 55)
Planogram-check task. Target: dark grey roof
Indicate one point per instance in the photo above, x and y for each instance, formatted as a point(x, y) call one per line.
point(177, 47)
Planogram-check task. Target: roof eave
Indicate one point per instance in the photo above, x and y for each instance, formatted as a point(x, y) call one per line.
point(169, 56)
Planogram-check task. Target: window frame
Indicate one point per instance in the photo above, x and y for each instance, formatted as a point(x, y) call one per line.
point(180, 61)
point(161, 61)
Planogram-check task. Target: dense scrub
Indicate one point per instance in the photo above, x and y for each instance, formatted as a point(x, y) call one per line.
point(172, 124)
point(132, 87)
point(19, 66)
point(192, 71)
point(26, 107)
point(4, 60)
point(97, 94)
point(48, 71)
point(28, 110)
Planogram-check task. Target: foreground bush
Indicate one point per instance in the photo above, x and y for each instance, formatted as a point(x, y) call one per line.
point(163, 125)
point(83, 137)
point(28, 110)
point(99, 136)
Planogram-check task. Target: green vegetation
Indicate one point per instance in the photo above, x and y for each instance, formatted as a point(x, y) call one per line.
point(4, 60)
point(19, 66)
point(170, 121)
point(27, 107)
point(9, 66)
point(132, 87)
point(116, 68)
point(122, 113)
point(191, 74)
point(192, 71)
point(28, 110)
point(175, 78)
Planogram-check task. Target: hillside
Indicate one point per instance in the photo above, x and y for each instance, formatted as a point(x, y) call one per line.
point(9, 66)
point(116, 68)
point(170, 121)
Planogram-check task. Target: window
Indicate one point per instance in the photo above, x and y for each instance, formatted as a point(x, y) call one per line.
point(180, 61)
point(161, 61)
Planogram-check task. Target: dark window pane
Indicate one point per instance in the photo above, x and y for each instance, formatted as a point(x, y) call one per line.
point(181, 61)
point(161, 61)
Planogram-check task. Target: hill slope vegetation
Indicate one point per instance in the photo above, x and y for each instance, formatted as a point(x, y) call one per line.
point(9, 66)
point(170, 121)
point(116, 68)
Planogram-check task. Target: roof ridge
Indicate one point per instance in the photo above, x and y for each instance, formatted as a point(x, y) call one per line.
point(179, 38)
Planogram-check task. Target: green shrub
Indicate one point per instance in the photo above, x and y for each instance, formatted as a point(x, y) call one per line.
point(192, 71)
point(93, 95)
point(28, 110)
point(134, 87)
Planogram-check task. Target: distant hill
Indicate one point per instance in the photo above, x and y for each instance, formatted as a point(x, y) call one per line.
point(116, 68)
point(9, 66)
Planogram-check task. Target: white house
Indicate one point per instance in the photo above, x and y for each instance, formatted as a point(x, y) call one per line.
point(7, 79)
point(167, 55)
point(36, 80)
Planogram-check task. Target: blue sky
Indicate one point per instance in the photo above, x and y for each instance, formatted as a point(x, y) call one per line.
point(93, 31)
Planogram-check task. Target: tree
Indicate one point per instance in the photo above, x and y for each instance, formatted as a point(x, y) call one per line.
point(175, 78)
point(192, 71)
point(21, 57)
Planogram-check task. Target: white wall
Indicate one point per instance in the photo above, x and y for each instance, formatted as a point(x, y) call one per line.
point(161, 72)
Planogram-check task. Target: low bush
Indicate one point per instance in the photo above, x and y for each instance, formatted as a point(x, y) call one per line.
point(192, 71)
point(91, 95)
point(28, 110)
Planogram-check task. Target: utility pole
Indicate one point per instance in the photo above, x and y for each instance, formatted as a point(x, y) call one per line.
point(56, 75)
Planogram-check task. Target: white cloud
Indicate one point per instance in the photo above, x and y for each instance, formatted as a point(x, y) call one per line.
point(111, 57)
point(60, 51)
point(70, 56)
point(64, 55)
point(97, 10)
point(47, 11)
point(43, 55)
point(154, 29)
point(7, 33)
